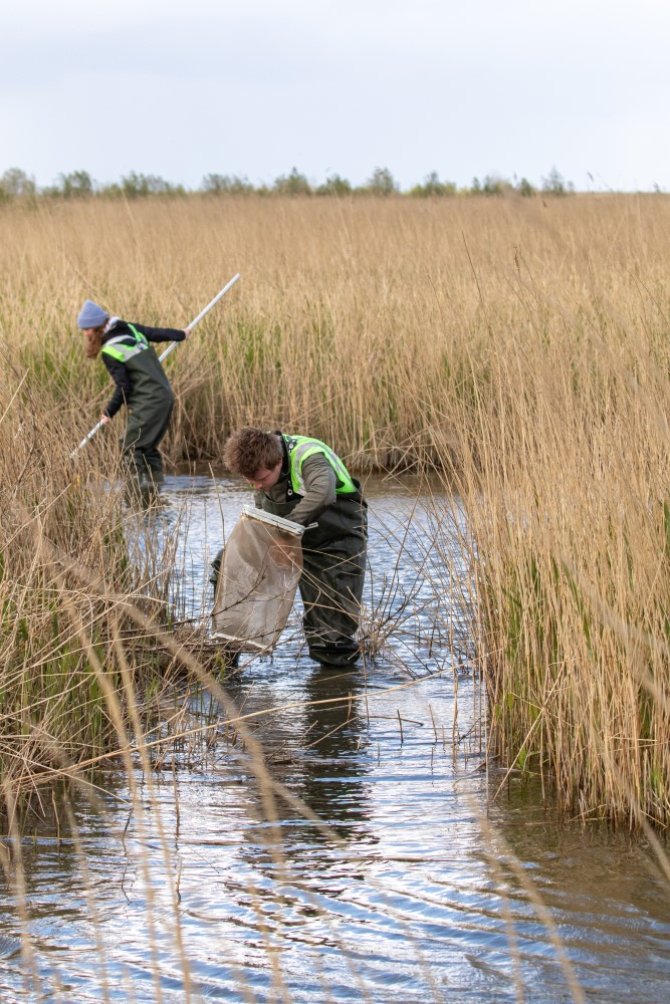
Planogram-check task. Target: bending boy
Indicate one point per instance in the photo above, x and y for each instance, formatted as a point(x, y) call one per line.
point(303, 480)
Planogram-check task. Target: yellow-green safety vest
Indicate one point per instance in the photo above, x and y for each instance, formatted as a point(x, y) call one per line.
point(118, 349)
point(299, 448)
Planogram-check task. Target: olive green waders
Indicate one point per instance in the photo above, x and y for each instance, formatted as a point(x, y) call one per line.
point(331, 584)
point(149, 403)
point(145, 429)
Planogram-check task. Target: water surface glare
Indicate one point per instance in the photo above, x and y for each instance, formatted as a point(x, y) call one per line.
point(401, 881)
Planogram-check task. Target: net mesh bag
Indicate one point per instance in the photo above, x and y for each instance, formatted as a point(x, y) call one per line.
point(260, 570)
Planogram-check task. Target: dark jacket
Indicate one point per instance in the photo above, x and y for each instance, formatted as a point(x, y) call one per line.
point(145, 375)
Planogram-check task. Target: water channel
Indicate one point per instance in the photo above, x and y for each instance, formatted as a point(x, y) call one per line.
point(391, 872)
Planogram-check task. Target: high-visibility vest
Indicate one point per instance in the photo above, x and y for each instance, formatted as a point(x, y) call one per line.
point(299, 448)
point(118, 349)
point(150, 387)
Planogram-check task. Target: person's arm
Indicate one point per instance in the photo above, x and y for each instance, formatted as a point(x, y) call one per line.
point(320, 484)
point(121, 377)
point(162, 334)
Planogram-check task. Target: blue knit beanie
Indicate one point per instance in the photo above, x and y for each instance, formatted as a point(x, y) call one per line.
point(91, 316)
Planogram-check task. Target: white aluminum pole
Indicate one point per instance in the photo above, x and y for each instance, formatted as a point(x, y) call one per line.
point(87, 438)
point(202, 314)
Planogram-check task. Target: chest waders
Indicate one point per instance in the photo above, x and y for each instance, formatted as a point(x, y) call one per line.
point(149, 403)
point(334, 556)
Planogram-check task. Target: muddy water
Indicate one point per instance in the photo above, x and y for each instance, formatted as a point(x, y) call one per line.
point(390, 873)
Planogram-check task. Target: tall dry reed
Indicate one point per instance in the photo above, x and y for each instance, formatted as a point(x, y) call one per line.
point(519, 344)
point(521, 347)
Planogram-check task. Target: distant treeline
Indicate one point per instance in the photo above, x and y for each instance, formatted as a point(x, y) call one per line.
point(15, 183)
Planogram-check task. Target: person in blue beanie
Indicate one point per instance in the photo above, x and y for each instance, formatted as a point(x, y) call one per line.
point(141, 383)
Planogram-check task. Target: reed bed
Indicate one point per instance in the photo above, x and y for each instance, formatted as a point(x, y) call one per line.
point(519, 346)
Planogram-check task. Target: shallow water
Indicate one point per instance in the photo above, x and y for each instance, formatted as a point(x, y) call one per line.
point(412, 885)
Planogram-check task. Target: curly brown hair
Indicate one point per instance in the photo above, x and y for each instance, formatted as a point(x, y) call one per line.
point(249, 450)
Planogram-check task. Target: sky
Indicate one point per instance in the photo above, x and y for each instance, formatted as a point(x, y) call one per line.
point(474, 88)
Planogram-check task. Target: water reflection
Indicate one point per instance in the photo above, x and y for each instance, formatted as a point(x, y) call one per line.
point(178, 888)
point(333, 782)
point(602, 889)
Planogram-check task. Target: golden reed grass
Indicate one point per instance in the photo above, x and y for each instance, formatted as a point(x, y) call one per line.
point(520, 345)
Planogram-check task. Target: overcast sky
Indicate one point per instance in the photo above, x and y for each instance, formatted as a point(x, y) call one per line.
point(184, 88)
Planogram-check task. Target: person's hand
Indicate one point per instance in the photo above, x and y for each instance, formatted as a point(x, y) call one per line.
point(105, 419)
point(187, 332)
